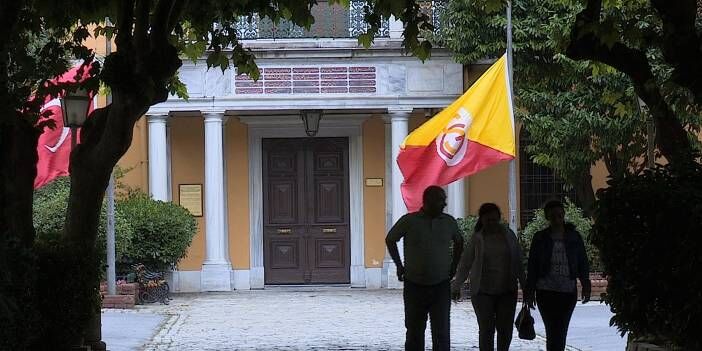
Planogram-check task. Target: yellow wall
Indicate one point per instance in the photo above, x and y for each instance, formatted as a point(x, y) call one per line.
point(134, 162)
point(188, 167)
point(236, 150)
point(374, 197)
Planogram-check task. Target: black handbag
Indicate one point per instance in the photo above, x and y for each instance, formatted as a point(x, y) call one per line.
point(525, 324)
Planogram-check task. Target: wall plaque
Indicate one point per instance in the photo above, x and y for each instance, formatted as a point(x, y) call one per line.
point(190, 197)
point(374, 182)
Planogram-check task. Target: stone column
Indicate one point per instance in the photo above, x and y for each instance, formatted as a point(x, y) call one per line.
point(398, 132)
point(456, 202)
point(216, 270)
point(158, 157)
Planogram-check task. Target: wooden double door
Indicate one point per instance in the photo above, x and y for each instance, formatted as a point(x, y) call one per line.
point(306, 233)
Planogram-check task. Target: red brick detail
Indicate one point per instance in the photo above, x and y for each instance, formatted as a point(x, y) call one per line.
point(275, 70)
point(362, 90)
point(335, 90)
point(305, 69)
point(361, 69)
point(127, 296)
point(334, 69)
point(249, 91)
point(305, 76)
point(308, 80)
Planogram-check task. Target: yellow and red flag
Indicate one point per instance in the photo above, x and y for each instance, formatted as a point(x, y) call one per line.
point(473, 133)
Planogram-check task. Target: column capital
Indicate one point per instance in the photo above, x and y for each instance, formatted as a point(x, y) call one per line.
point(213, 116)
point(157, 118)
point(398, 113)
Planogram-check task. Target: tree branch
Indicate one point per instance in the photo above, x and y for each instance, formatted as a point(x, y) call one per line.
point(125, 22)
point(586, 44)
point(141, 25)
point(9, 14)
point(176, 13)
point(681, 44)
point(162, 17)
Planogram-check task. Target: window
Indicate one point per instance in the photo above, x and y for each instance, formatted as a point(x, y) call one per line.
point(538, 184)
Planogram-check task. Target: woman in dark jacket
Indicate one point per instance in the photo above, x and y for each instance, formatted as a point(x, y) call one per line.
point(556, 259)
point(493, 260)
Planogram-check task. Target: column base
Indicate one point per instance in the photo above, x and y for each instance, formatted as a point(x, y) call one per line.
point(374, 278)
point(241, 279)
point(216, 277)
point(389, 278)
point(358, 276)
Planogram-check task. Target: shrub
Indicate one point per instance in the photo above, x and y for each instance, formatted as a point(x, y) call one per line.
point(467, 225)
point(648, 231)
point(50, 204)
point(163, 231)
point(574, 215)
point(65, 292)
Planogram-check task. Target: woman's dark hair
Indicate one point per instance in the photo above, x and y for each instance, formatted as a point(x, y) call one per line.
point(486, 208)
point(553, 204)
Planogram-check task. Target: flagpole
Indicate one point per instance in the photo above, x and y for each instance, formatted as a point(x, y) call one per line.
point(513, 163)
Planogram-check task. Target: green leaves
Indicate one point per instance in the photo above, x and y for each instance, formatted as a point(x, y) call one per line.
point(176, 87)
point(647, 230)
point(163, 231)
point(576, 113)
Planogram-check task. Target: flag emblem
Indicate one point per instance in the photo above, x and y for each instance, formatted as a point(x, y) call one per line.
point(471, 134)
point(451, 144)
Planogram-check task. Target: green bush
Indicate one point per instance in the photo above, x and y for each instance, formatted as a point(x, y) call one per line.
point(648, 230)
point(50, 204)
point(574, 215)
point(467, 225)
point(163, 231)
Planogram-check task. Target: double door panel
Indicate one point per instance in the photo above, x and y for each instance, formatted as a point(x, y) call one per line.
point(306, 211)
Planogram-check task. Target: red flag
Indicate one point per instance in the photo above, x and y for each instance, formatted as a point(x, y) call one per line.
point(473, 133)
point(54, 148)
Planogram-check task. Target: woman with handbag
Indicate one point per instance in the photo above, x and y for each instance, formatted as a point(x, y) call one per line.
point(556, 259)
point(493, 260)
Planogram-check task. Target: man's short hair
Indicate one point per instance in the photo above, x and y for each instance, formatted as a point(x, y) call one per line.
point(433, 192)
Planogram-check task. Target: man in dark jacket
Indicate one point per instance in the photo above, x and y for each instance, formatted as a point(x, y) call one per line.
point(427, 269)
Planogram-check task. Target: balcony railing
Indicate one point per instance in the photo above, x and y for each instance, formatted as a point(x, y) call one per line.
point(331, 21)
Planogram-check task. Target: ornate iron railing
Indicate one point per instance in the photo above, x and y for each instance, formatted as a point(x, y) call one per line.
point(331, 21)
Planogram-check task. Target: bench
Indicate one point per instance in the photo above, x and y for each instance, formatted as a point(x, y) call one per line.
point(153, 286)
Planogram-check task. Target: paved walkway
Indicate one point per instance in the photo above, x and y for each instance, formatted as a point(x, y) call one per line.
point(301, 319)
point(321, 319)
point(129, 330)
point(589, 328)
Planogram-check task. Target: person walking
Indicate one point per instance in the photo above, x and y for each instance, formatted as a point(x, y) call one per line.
point(427, 268)
point(556, 259)
point(493, 260)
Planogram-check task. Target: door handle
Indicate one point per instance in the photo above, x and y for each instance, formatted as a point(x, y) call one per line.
point(284, 230)
point(329, 230)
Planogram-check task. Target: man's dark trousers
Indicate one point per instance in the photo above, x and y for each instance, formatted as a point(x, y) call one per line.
point(434, 300)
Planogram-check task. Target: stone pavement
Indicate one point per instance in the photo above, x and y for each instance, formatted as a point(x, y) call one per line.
point(589, 328)
point(129, 330)
point(302, 319)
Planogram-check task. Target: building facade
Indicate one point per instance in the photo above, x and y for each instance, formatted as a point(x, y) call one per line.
point(275, 205)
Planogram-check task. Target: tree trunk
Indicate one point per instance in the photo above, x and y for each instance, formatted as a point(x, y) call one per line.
point(18, 158)
point(586, 194)
point(587, 44)
point(104, 140)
